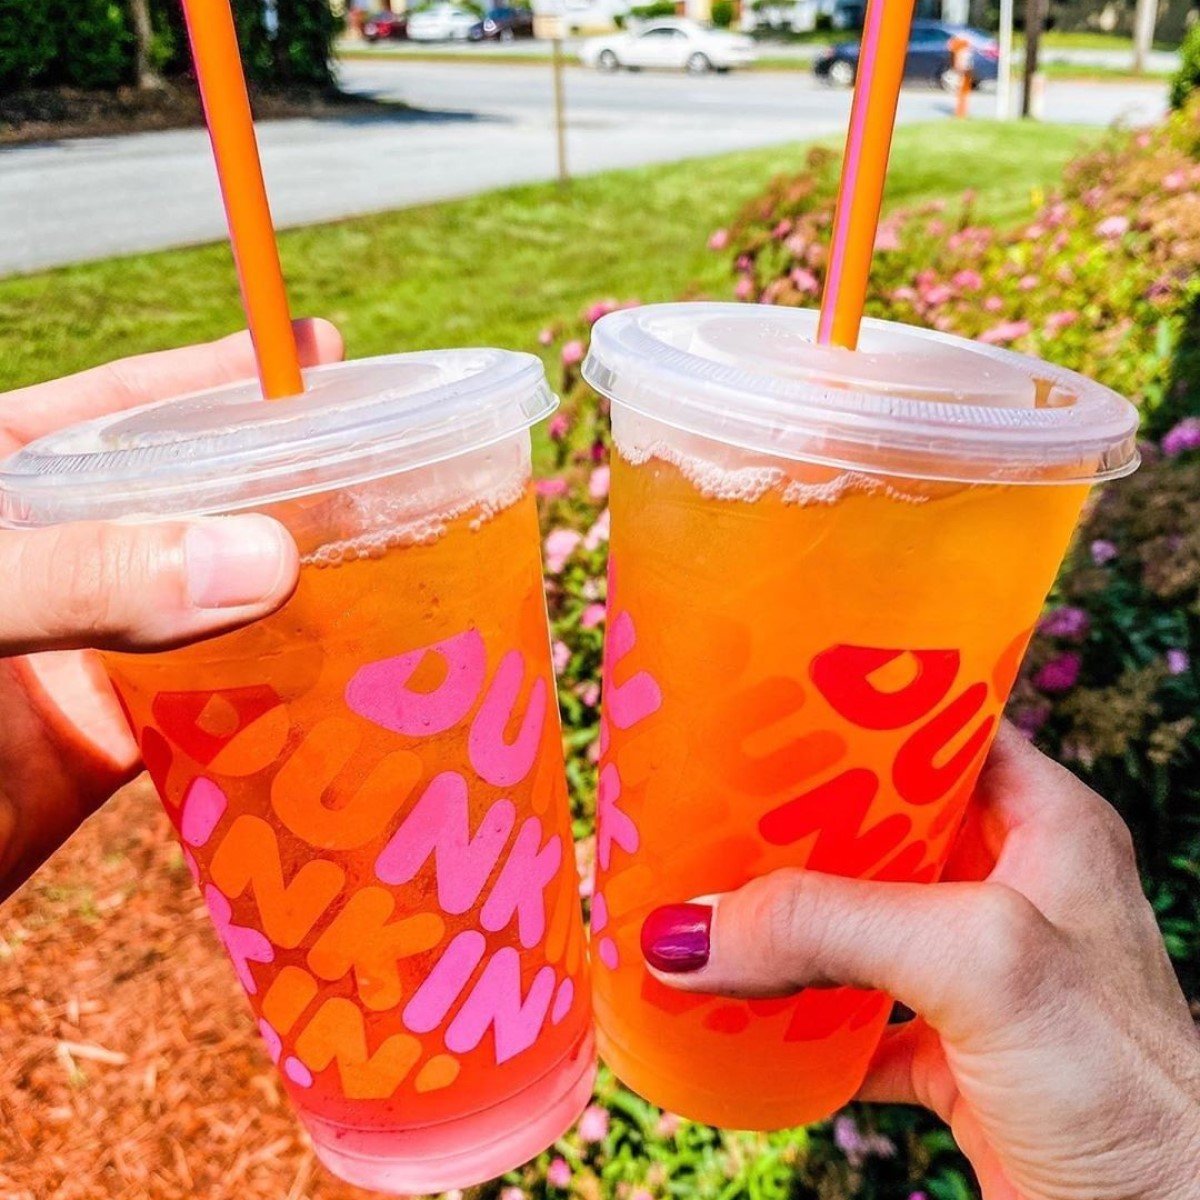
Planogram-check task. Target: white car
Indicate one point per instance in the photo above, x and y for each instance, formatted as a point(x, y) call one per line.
point(670, 43)
point(441, 23)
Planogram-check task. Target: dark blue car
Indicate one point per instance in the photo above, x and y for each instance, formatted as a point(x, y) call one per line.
point(929, 59)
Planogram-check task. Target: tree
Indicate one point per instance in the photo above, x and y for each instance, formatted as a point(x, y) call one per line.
point(143, 38)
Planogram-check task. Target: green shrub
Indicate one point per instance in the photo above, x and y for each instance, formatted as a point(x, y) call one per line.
point(95, 43)
point(26, 43)
point(722, 13)
point(1187, 78)
point(647, 12)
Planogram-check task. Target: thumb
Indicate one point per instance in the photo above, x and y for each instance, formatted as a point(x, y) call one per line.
point(140, 586)
point(955, 952)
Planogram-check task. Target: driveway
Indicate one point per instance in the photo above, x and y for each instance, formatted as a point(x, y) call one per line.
point(471, 128)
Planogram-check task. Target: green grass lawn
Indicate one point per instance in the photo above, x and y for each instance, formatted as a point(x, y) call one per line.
point(492, 269)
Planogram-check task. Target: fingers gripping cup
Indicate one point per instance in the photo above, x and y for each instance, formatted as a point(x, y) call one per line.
point(825, 568)
point(368, 785)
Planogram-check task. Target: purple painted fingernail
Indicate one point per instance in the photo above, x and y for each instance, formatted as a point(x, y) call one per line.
point(675, 938)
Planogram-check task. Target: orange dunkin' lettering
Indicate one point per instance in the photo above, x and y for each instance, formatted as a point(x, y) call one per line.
point(248, 857)
point(299, 790)
point(338, 1033)
point(363, 938)
point(290, 993)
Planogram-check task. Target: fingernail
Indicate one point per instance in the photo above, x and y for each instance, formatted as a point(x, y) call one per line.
point(675, 938)
point(235, 561)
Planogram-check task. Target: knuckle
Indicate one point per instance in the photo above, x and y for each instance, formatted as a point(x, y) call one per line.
point(1011, 937)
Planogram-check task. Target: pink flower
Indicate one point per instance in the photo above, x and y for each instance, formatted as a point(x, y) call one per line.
point(546, 336)
point(590, 694)
point(558, 1174)
point(641, 1194)
point(593, 1125)
point(1060, 320)
point(1113, 227)
point(904, 295)
point(968, 281)
point(1027, 282)
point(718, 239)
point(560, 423)
point(1183, 438)
point(805, 281)
point(935, 228)
point(781, 230)
point(560, 545)
point(1035, 231)
point(1030, 718)
point(744, 288)
point(1103, 551)
point(1005, 332)
point(925, 278)
point(1174, 180)
point(572, 353)
point(551, 488)
point(993, 304)
point(593, 615)
point(668, 1125)
point(1092, 197)
point(600, 309)
point(969, 196)
point(1060, 674)
point(598, 532)
point(1142, 141)
point(1178, 661)
point(938, 294)
point(513, 1193)
point(887, 236)
point(1064, 274)
point(560, 656)
point(1067, 622)
point(598, 484)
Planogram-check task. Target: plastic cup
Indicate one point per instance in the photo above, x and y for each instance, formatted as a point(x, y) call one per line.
point(368, 785)
point(825, 568)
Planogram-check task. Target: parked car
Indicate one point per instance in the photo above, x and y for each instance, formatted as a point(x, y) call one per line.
point(382, 26)
point(929, 57)
point(503, 25)
point(670, 43)
point(441, 23)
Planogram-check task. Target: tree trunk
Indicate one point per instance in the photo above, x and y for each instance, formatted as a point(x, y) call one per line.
point(1144, 21)
point(143, 35)
point(1034, 16)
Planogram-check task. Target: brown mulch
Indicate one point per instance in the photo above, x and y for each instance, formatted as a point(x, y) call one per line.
point(48, 114)
point(129, 1064)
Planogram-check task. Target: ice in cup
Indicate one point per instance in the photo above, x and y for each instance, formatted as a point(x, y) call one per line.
point(825, 568)
point(368, 785)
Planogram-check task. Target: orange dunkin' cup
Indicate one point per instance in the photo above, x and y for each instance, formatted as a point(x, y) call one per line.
point(368, 785)
point(825, 568)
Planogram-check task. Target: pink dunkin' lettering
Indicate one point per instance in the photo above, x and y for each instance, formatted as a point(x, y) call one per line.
point(204, 805)
point(503, 763)
point(380, 691)
point(443, 985)
point(613, 825)
point(637, 698)
point(495, 1002)
point(243, 944)
point(439, 824)
point(521, 885)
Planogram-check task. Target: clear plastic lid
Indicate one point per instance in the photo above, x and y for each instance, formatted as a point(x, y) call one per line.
point(226, 448)
point(908, 402)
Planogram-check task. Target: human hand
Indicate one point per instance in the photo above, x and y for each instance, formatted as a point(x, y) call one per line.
point(64, 745)
point(1052, 1035)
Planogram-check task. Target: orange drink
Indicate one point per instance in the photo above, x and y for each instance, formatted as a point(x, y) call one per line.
point(825, 568)
point(368, 785)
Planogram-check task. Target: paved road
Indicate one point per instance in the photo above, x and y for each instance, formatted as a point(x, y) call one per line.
point(478, 127)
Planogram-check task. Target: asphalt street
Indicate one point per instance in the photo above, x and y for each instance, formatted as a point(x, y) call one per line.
point(471, 127)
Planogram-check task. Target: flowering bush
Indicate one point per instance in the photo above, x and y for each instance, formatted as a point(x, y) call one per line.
point(1104, 278)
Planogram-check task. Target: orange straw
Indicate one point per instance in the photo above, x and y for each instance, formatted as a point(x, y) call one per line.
point(231, 129)
point(860, 193)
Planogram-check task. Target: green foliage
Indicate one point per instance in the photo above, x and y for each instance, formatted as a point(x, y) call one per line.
point(657, 8)
point(722, 13)
point(96, 43)
point(1187, 78)
point(27, 43)
point(90, 43)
